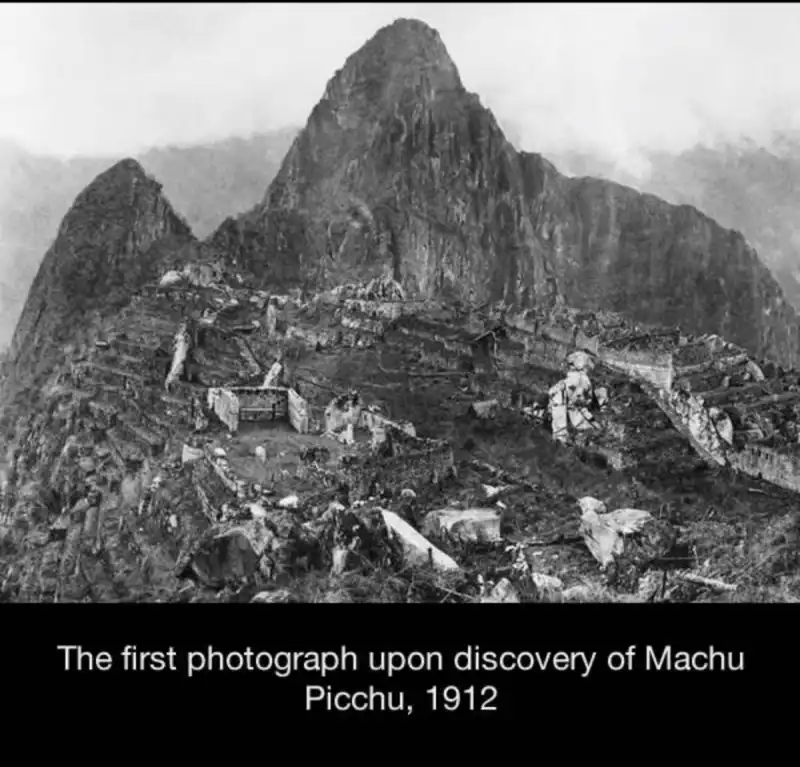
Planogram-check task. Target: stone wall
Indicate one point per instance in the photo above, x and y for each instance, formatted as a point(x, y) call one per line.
point(298, 412)
point(313, 337)
point(181, 349)
point(390, 310)
point(271, 318)
point(245, 403)
point(355, 339)
point(274, 376)
point(225, 404)
point(765, 463)
point(364, 324)
point(653, 368)
point(689, 415)
point(539, 350)
point(377, 422)
point(709, 430)
point(429, 464)
point(691, 418)
point(256, 403)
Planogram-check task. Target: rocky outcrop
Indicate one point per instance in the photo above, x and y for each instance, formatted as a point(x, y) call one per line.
point(400, 171)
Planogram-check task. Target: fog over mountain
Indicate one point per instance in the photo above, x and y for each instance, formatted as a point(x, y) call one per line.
point(615, 79)
point(627, 92)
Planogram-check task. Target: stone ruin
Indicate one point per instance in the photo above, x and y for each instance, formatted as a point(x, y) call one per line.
point(235, 404)
point(194, 274)
point(346, 415)
point(734, 410)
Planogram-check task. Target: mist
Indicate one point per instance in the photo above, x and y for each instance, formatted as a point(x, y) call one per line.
point(610, 79)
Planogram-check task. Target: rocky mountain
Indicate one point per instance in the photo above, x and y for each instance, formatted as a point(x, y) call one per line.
point(744, 186)
point(205, 183)
point(116, 236)
point(372, 387)
point(35, 194)
point(401, 171)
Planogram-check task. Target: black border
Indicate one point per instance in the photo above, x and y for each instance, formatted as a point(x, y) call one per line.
point(31, 635)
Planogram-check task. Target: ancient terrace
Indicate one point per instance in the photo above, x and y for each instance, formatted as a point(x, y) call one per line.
point(734, 410)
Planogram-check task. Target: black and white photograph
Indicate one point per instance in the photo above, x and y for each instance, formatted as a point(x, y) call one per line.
point(437, 303)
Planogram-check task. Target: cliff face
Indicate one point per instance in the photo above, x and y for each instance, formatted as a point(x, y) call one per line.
point(112, 240)
point(614, 248)
point(401, 171)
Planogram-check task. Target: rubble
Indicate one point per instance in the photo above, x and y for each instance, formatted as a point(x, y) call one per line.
point(170, 278)
point(548, 586)
point(503, 592)
point(191, 454)
point(257, 510)
point(278, 596)
point(343, 411)
point(346, 435)
point(484, 409)
point(604, 531)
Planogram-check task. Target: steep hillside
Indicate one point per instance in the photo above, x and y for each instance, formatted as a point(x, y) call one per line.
point(35, 194)
point(110, 242)
point(401, 171)
point(743, 186)
point(746, 187)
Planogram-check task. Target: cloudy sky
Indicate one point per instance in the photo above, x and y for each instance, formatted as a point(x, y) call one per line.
point(115, 78)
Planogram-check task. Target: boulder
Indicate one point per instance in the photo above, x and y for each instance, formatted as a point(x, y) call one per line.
point(417, 548)
point(465, 524)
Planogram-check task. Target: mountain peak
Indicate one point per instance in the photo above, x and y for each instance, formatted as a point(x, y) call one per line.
point(119, 179)
point(127, 165)
point(401, 172)
point(406, 39)
point(404, 55)
point(104, 251)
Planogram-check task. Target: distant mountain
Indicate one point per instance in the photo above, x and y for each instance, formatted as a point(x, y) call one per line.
point(206, 183)
point(401, 171)
point(743, 186)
